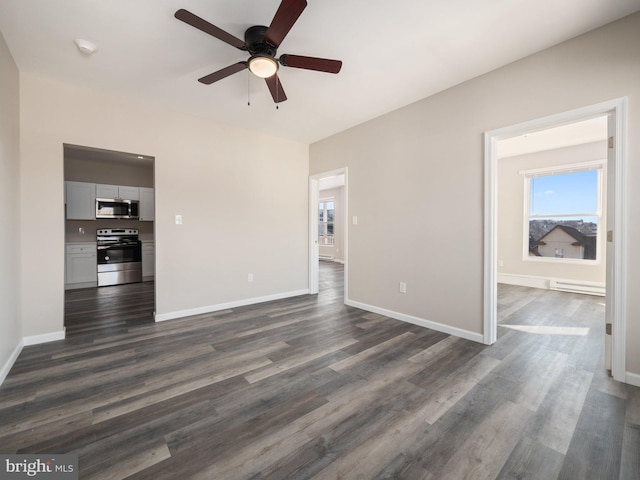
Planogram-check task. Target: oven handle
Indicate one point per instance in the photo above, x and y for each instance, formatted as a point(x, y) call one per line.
point(106, 247)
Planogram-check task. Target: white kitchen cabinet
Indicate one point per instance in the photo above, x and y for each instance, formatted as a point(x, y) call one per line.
point(147, 204)
point(81, 265)
point(106, 191)
point(129, 193)
point(148, 260)
point(80, 200)
point(117, 191)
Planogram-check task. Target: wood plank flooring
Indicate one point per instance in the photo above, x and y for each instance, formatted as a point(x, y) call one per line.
point(108, 310)
point(309, 388)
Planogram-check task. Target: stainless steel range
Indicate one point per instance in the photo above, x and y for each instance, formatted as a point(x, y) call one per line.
point(119, 256)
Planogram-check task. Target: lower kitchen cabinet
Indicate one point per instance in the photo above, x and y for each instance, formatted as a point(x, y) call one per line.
point(148, 261)
point(81, 265)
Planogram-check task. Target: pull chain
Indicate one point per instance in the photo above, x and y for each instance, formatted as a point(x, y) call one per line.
point(248, 89)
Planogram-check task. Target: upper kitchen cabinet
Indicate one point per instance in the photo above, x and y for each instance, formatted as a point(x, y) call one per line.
point(80, 199)
point(147, 204)
point(117, 191)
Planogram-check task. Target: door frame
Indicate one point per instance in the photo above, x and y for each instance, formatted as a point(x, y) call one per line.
point(616, 268)
point(314, 248)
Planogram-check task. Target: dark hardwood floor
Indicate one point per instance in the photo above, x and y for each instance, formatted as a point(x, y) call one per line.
point(309, 388)
point(108, 310)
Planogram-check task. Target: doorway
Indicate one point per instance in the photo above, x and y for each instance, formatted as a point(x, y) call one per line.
point(328, 232)
point(615, 111)
point(123, 179)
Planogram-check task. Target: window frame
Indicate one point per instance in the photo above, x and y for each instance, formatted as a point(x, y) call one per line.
point(600, 166)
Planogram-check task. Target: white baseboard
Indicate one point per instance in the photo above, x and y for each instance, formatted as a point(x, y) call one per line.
point(633, 379)
point(457, 332)
point(161, 317)
point(44, 338)
point(6, 368)
point(552, 283)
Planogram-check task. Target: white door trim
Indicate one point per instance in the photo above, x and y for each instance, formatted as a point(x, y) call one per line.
point(314, 197)
point(616, 293)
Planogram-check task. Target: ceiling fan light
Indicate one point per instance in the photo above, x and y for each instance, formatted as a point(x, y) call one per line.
point(85, 46)
point(263, 67)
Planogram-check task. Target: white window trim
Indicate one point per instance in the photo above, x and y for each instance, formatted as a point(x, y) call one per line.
point(557, 170)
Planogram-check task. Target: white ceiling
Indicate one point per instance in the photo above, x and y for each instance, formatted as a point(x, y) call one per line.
point(394, 53)
point(577, 133)
point(334, 181)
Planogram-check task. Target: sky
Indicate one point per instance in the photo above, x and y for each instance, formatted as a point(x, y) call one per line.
point(565, 193)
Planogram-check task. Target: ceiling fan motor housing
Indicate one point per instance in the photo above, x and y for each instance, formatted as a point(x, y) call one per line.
point(254, 39)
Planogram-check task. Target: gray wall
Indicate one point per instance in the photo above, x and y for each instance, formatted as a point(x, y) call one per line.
point(420, 171)
point(10, 327)
point(80, 169)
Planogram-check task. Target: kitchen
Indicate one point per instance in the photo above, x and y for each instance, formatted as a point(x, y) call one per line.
point(109, 218)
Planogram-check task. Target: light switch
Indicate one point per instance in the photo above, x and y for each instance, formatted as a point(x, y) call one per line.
point(355, 220)
point(178, 219)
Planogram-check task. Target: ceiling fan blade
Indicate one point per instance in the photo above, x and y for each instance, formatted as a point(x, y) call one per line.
point(275, 87)
point(311, 63)
point(197, 22)
point(224, 73)
point(287, 14)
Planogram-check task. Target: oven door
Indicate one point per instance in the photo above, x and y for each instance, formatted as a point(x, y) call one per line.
point(119, 263)
point(119, 253)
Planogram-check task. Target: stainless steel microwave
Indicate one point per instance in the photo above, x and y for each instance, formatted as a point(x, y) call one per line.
point(117, 208)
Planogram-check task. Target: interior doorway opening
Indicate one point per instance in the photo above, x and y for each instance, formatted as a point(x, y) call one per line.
point(109, 239)
point(615, 113)
point(552, 215)
point(328, 232)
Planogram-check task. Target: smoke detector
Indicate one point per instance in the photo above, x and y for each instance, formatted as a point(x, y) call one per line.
point(85, 46)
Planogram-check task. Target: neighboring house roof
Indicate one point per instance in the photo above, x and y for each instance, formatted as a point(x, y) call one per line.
point(581, 240)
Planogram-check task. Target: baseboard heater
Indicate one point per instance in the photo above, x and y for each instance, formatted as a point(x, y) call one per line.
point(587, 288)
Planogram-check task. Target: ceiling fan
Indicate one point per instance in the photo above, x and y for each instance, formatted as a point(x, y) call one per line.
point(262, 44)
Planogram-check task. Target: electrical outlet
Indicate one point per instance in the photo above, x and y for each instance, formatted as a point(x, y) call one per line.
point(250, 277)
point(403, 287)
point(178, 219)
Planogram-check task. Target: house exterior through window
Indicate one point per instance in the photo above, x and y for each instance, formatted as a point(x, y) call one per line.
point(563, 212)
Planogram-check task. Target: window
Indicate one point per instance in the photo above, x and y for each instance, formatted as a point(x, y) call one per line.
point(564, 209)
point(326, 213)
